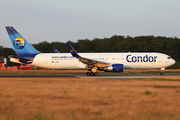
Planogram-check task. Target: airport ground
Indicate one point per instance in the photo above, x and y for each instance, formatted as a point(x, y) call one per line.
point(82, 72)
point(89, 99)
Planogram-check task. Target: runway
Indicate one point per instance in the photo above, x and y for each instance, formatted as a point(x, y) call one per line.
point(128, 76)
point(38, 76)
point(116, 77)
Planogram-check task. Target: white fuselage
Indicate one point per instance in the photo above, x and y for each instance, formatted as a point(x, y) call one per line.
point(129, 60)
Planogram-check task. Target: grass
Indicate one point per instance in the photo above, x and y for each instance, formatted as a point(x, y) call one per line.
point(148, 92)
point(88, 99)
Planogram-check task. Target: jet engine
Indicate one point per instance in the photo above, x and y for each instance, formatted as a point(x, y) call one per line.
point(114, 68)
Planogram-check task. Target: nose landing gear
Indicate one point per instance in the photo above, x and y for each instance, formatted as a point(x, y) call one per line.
point(162, 71)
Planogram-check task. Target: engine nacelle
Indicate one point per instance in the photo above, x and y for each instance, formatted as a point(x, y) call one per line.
point(114, 68)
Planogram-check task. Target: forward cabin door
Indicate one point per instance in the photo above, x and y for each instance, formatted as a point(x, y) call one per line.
point(159, 60)
point(46, 59)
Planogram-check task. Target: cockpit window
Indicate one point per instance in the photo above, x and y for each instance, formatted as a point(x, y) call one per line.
point(168, 57)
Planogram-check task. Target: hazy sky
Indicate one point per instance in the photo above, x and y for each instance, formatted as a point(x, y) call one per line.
point(71, 20)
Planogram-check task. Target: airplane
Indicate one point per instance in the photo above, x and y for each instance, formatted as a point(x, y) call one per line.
point(107, 62)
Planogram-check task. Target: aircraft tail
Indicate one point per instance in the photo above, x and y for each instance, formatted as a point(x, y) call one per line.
point(20, 45)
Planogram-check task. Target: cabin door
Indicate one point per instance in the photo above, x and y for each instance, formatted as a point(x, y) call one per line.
point(45, 60)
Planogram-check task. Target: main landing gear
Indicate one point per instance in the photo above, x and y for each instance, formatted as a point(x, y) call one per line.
point(92, 73)
point(162, 71)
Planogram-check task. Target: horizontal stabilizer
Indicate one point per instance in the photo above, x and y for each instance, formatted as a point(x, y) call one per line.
point(20, 60)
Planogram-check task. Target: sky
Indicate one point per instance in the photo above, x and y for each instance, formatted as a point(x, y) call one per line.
point(73, 20)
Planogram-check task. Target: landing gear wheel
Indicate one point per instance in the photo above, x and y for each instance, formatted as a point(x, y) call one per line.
point(92, 74)
point(161, 73)
point(88, 73)
point(96, 73)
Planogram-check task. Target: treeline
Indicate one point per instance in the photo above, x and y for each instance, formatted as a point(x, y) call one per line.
point(6, 52)
point(167, 45)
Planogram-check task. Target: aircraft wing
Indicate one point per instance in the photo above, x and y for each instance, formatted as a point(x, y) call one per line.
point(89, 62)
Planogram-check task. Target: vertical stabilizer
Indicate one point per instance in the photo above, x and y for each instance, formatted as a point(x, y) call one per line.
point(20, 45)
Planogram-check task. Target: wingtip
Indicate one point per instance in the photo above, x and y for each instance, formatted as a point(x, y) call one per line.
point(72, 51)
point(69, 46)
point(8, 26)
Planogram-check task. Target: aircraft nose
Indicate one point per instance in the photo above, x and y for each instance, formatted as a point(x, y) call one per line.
point(173, 61)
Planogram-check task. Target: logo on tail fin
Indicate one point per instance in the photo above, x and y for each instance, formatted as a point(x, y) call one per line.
point(71, 51)
point(19, 43)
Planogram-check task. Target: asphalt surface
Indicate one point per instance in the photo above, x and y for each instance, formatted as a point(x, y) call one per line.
point(118, 77)
point(38, 76)
point(124, 77)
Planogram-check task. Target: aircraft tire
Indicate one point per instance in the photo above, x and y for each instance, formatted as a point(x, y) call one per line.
point(92, 74)
point(161, 73)
point(88, 73)
point(96, 73)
